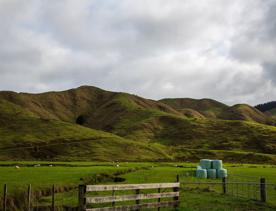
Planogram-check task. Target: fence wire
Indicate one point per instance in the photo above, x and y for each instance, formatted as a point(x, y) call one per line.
point(240, 186)
point(42, 199)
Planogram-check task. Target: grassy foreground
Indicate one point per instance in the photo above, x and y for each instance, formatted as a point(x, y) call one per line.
point(66, 176)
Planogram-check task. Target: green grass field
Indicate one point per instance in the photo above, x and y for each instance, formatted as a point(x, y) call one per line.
point(70, 174)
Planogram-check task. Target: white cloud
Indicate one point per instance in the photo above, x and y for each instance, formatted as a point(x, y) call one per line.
point(217, 49)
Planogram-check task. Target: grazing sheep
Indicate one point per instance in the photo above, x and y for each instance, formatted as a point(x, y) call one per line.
point(17, 167)
point(117, 165)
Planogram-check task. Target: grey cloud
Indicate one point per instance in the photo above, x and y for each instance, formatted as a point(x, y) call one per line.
point(270, 71)
point(219, 49)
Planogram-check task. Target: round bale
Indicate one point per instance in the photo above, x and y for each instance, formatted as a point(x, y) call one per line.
point(217, 164)
point(201, 173)
point(206, 163)
point(222, 173)
point(212, 173)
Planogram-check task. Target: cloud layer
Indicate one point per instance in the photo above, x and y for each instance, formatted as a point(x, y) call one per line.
point(202, 49)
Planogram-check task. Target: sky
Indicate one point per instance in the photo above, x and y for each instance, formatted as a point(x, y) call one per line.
point(220, 49)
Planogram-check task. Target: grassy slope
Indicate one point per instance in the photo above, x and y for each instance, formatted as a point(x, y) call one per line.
point(231, 138)
point(25, 136)
point(273, 111)
point(245, 112)
point(25, 122)
point(65, 105)
point(207, 107)
point(213, 109)
point(198, 133)
point(152, 124)
point(85, 100)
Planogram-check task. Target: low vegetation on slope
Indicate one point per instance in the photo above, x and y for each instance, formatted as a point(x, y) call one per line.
point(216, 110)
point(269, 108)
point(70, 125)
point(266, 106)
point(207, 107)
point(204, 133)
point(26, 136)
point(246, 113)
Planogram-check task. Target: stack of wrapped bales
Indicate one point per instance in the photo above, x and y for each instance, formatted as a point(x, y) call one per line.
point(210, 169)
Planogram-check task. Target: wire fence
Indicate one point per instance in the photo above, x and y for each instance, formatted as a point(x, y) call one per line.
point(54, 197)
point(50, 198)
point(241, 186)
point(250, 187)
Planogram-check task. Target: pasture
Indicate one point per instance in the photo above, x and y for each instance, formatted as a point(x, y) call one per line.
point(66, 176)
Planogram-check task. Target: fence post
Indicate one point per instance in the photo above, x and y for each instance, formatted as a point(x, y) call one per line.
point(5, 197)
point(113, 194)
point(176, 189)
point(263, 189)
point(224, 185)
point(137, 191)
point(29, 197)
point(159, 199)
point(82, 202)
point(53, 198)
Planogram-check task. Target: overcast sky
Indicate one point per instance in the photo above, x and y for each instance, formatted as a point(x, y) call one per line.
point(218, 49)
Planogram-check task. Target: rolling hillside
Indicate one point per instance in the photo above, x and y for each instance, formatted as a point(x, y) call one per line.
point(268, 108)
point(272, 112)
point(206, 107)
point(26, 136)
point(88, 123)
point(213, 109)
point(246, 113)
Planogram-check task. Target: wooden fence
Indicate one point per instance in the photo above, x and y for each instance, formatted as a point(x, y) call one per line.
point(84, 200)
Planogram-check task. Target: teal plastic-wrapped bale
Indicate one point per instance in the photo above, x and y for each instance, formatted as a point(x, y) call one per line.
point(212, 173)
point(198, 167)
point(201, 173)
point(222, 173)
point(217, 164)
point(206, 163)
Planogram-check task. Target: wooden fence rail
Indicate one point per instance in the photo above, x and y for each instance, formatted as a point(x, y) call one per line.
point(85, 200)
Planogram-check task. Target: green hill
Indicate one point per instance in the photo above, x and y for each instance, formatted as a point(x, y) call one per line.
point(26, 136)
point(269, 109)
point(94, 105)
point(246, 113)
point(88, 123)
point(207, 107)
point(272, 113)
point(190, 113)
point(213, 109)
